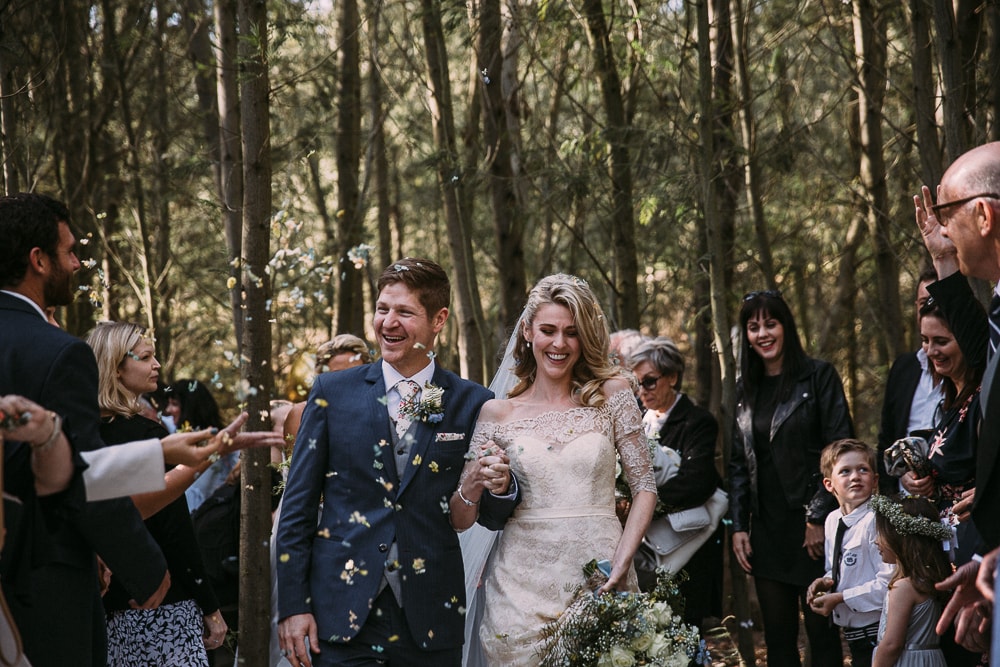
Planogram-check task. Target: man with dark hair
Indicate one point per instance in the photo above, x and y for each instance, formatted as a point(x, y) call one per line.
point(381, 579)
point(50, 575)
point(912, 394)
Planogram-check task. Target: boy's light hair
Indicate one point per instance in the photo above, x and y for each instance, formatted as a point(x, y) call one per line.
point(837, 448)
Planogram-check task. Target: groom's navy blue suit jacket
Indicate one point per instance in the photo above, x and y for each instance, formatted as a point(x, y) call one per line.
point(343, 455)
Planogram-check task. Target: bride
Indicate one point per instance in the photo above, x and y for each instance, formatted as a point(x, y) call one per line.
point(560, 427)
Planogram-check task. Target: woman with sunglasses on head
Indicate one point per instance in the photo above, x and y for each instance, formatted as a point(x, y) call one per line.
point(788, 408)
point(674, 422)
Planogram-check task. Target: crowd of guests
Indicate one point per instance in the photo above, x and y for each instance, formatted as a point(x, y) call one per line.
point(402, 457)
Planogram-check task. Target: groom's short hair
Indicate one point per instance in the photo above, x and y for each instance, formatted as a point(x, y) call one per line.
point(424, 277)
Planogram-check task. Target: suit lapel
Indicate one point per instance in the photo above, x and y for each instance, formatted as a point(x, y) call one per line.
point(379, 419)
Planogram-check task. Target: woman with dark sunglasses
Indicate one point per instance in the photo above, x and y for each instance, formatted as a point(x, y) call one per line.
point(675, 423)
point(788, 408)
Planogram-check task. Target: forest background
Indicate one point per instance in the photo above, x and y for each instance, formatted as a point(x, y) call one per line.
point(674, 154)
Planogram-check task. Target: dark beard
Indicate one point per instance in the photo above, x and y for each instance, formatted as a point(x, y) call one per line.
point(59, 290)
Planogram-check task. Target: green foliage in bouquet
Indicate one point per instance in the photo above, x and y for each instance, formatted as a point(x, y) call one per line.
point(623, 629)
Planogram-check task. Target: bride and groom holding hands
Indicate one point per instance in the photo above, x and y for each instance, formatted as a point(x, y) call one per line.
point(404, 455)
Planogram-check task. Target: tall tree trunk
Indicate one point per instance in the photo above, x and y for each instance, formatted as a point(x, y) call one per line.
point(712, 184)
point(498, 74)
point(230, 153)
point(256, 373)
point(377, 111)
point(468, 309)
point(113, 49)
point(928, 144)
point(626, 266)
point(958, 31)
point(751, 168)
point(870, 45)
point(10, 141)
point(350, 297)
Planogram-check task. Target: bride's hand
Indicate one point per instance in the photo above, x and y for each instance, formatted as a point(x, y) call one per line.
point(616, 581)
point(494, 469)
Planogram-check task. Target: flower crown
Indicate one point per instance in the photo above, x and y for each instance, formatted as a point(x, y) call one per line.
point(909, 524)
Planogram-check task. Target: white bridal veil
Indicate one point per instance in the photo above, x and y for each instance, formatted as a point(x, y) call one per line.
point(478, 542)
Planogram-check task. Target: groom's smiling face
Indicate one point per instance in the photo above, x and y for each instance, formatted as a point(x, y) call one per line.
point(404, 329)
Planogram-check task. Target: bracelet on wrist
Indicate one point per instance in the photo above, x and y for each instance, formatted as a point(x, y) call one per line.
point(461, 496)
point(56, 430)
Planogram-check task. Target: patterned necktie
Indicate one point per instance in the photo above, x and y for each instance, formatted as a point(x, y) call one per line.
point(994, 324)
point(407, 394)
point(838, 552)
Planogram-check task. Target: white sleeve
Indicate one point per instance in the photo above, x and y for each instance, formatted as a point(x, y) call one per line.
point(124, 470)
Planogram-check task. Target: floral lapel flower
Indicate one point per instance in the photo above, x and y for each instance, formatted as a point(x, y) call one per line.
point(428, 409)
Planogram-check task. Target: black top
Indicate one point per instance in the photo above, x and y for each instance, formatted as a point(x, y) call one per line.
point(171, 528)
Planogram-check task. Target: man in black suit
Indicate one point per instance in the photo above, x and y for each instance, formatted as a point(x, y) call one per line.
point(912, 394)
point(49, 569)
point(962, 234)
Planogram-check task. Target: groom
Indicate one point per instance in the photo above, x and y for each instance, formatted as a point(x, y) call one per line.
point(380, 580)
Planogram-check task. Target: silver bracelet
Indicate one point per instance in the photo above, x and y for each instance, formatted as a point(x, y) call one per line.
point(461, 496)
point(56, 430)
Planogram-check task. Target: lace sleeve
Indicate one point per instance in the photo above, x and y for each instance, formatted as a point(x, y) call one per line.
point(630, 440)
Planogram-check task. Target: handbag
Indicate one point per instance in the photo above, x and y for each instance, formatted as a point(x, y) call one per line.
point(673, 538)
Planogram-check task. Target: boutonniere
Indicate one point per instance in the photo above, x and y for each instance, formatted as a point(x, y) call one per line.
point(428, 409)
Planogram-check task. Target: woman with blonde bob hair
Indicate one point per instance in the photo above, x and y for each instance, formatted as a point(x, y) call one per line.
point(188, 622)
point(560, 428)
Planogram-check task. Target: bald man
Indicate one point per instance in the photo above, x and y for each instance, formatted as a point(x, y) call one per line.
point(962, 234)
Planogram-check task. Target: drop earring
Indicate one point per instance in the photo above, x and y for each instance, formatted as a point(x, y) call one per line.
point(528, 343)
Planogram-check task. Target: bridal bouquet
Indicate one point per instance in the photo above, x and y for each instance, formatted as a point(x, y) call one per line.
point(622, 629)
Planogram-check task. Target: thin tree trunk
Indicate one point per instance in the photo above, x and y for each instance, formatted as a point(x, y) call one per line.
point(711, 184)
point(256, 373)
point(468, 309)
point(751, 169)
point(10, 142)
point(952, 56)
point(230, 153)
point(870, 45)
point(928, 145)
point(497, 58)
point(626, 265)
point(376, 101)
point(350, 297)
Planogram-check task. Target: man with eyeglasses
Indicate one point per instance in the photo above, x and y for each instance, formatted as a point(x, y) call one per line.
point(962, 234)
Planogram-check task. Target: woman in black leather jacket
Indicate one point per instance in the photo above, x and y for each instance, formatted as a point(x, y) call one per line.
point(789, 407)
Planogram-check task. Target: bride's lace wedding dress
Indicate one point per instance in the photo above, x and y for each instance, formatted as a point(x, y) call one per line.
point(564, 462)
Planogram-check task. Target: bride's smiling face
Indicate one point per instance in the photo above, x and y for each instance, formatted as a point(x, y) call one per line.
point(554, 341)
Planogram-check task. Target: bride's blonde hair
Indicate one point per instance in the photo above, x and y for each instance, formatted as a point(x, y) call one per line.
point(594, 365)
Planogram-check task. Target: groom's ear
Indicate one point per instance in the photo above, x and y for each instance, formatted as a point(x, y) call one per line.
point(438, 320)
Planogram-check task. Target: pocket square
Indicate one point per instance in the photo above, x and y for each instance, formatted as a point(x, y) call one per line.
point(449, 437)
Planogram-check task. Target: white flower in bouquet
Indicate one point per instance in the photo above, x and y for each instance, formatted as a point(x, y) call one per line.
point(660, 647)
point(663, 614)
point(617, 657)
point(642, 643)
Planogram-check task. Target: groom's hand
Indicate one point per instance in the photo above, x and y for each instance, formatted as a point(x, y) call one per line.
point(292, 632)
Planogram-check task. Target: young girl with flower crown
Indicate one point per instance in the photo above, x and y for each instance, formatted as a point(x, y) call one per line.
point(910, 535)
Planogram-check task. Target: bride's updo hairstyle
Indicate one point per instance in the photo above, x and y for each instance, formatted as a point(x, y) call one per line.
point(594, 365)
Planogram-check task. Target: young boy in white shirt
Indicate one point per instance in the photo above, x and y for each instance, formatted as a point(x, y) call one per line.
point(856, 579)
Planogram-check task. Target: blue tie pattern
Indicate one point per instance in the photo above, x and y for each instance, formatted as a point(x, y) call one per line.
point(994, 324)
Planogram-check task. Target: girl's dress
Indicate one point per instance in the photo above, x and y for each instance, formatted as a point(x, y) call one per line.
point(921, 649)
point(565, 466)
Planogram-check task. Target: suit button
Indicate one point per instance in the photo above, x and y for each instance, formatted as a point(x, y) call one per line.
point(383, 547)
